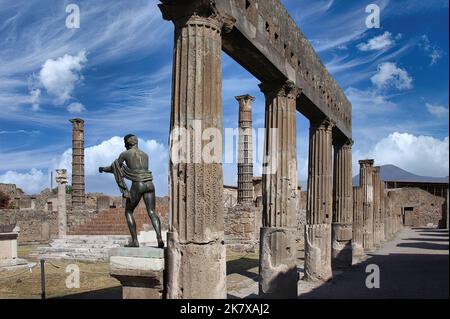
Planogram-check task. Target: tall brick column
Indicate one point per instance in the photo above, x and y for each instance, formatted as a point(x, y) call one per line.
point(196, 251)
point(78, 187)
point(358, 223)
point(61, 179)
point(319, 202)
point(366, 184)
point(278, 270)
point(245, 155)
point(341, 249)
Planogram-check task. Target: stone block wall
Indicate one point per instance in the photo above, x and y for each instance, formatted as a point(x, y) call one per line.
point(242, 224)
point(425, 208)
point(36, 226)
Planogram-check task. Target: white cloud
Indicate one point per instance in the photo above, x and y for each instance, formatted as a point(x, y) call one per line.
point(106, 152)
point(34, 99)
point(437, 110)
point(102, 154)
point(421, 155)
point(76, 108)
point(434, 52)
point(368, 102)
point(60, 76)
point(377, 43)
point(31, 182)
point(389, 75)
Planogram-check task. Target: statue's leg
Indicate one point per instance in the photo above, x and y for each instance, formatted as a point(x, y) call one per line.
point(150, 202)
point(131, 204)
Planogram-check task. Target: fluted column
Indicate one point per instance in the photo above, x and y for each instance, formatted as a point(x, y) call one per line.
point(61, 179)
point(376, 206)
point(196, 251)
point(366, 184)
point(278, 271)
point(319, 202)
point(358, 223)
point(383, 236)
point(78, 186)
point(341, 249)
point(245, 152)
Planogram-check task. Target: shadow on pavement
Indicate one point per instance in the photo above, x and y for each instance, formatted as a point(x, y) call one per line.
point(107, 293)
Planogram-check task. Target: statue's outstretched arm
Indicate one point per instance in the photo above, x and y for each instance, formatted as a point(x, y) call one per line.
point(109, 169)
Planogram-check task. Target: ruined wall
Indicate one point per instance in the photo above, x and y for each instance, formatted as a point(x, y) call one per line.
point(427, 209)
point(241, 226)
point(36, 226)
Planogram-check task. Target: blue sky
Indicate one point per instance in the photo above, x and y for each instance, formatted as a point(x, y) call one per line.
point(115, 72)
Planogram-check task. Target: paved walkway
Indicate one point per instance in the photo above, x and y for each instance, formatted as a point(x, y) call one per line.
point(414, 265)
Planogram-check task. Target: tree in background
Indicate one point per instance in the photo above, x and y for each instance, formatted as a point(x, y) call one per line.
point(4, 200)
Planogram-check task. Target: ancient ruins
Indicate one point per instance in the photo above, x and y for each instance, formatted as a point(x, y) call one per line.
point(334, 222)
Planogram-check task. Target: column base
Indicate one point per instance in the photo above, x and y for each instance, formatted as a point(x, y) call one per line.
point(278, 268)
point(195, 270)
point(318, 252)
point(139, 270)
point(341, 248)
point(357, 251)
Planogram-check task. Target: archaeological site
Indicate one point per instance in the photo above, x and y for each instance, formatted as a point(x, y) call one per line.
point(320, 200)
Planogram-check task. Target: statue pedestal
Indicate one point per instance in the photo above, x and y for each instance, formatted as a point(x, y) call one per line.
point(139, 270)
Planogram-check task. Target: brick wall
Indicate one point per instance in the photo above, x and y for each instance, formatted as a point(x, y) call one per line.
point(424, 208)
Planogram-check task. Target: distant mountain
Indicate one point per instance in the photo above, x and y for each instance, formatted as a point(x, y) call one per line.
point(394, 173)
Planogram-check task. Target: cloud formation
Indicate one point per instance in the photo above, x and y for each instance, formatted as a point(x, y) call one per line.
point(389, 75)
point(437, 111)
point(410, 152)
point(377, 43)
point(59, 76)
point(76, 108)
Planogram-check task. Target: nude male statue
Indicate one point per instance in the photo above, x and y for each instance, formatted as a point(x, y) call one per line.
point(136, 170)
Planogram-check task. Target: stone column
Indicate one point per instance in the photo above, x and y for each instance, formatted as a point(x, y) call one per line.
point(319, 202)
point(341, 249)
point(196, 249)
point(446, 208)
point(245, 156)
point(61, 179)
point(78, 190)
point(278, 269)
point(358, 223)
point(365, 182)
point(376, 205)
point(382, 210)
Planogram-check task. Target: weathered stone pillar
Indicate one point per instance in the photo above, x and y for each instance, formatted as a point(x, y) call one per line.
point(319, 202)
point(61, 179)
point(78, 187)
point(383, 237)
point(365, 182)
point(245, 152)
point(278, 270)
point(341, 249)
point(196, 249)
point(376, 205)
point(358, 223)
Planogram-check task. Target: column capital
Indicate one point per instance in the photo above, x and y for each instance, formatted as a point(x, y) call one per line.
point(245, 97)
point(344, 143)
point(376, 169)
point(182, 11)
point(323, 124)
point(61, 177)
point(366, 162)
point(284, 89)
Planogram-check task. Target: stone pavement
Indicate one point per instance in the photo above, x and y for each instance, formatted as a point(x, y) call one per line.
point(414, 265)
